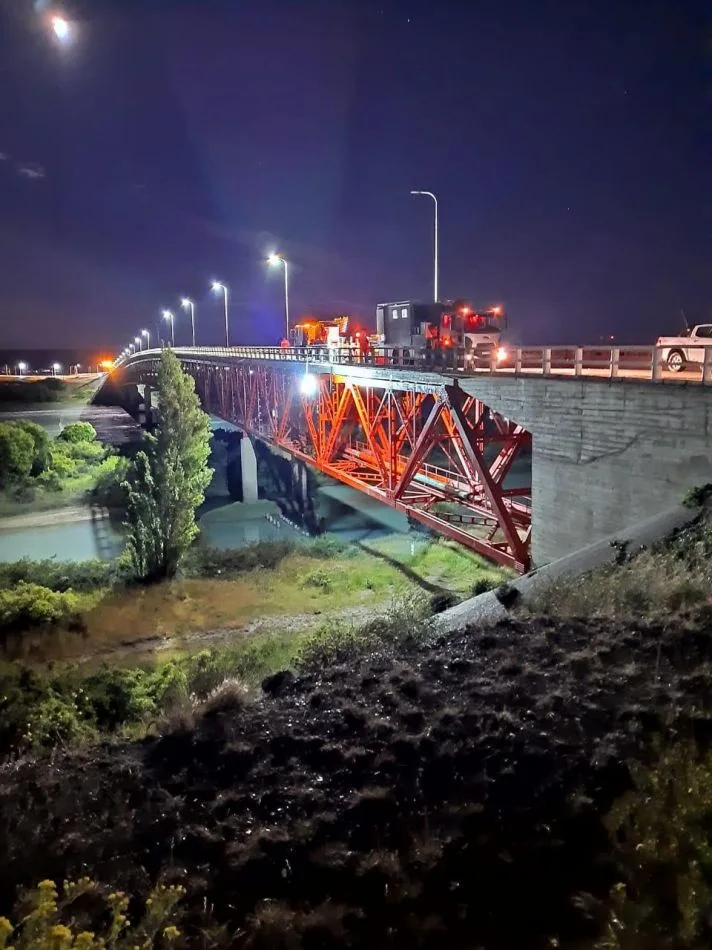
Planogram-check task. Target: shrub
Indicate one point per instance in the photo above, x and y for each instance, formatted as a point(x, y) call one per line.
point(319, 579)
point(61, 576)
point(660, 839)
point(109, 490)
point(442, 601)
point(89, 917)
point(229, 696)
point(17, 453)
point(31, 605)
point(119, 696)
point(213, 562)
point(50, 480)
point(57, 720)
point(61, 460)
point(78, 432)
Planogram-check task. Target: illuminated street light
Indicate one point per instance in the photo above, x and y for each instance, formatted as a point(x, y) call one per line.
point(429, 194)
point(273, 260)
point(60, 27)
point(186, 303)
point(168, 315)
point(21, 367)
point(218, 286)
point(138, 342)
point(56, 367)
point(148, 338)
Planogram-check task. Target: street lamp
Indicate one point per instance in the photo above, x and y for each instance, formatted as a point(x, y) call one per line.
point(138, 342)
point(60, 28)
point(56, 368)
point(21, 367)
point(218, 286)
point(273, 260)
point(189, 305)
point(167, 315)
point(148, 338)
point(429, 194)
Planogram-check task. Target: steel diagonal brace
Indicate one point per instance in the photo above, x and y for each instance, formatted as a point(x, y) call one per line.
point(417, 456)
point(456, 399)
point(337, 423)
point(366, 426)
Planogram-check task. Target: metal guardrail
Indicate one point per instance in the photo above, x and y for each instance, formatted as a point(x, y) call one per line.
point(615, 362)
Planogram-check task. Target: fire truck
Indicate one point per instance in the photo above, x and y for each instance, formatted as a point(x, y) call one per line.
point(413, 326)
point(320, 333)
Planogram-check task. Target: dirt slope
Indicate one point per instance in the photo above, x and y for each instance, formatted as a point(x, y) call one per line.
point(386, 802)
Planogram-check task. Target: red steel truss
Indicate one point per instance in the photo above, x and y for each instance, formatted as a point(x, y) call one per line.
point(428, 449)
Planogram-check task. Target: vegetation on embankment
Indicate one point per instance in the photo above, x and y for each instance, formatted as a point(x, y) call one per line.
point(672, 576)
point(405, 795)
point(257, 608)
point(40, 474)
point(29, 392)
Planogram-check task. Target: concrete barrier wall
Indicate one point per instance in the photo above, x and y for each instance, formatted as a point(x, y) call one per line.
point(605, 454)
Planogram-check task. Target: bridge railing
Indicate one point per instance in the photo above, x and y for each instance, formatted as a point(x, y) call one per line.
point(610, 362)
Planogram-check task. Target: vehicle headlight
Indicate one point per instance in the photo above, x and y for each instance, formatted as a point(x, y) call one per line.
point(501, 354)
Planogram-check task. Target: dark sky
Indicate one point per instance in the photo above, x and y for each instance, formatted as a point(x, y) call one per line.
point(569, 143)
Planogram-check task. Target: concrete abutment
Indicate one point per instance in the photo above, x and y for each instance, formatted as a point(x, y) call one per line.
point(605, 454)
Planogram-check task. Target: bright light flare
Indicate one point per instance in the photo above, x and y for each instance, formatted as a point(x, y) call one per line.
point(56, 367)
point(216, 285)
point(167, 315)
point(501, 354)
point(186, 302)
point(22, 367)
point(308, 385)
point(60, 27)
point(273, 259)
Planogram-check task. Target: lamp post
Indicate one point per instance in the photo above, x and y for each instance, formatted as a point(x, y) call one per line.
point(21, 367)
point(218, 286)
point(148, 338)
point(273, 260)
point(168, 315)
point(138, 342)
point(429, 194)
point(56, 368)
point(188, 304)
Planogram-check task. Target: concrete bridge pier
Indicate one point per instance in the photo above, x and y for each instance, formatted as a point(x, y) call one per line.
point(248, 468)
point(300, 484)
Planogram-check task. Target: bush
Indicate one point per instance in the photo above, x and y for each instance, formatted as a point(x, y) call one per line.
point(50, 480)
point(213, 562)
point(319, 579)
point(661, 842)
point(442, 601)
point(31, 605)
point(41, 445)
point(78, 432)
point(17, 453)
point(109, 490)
point(62, 576)
point(89, 917)
point(57, 720)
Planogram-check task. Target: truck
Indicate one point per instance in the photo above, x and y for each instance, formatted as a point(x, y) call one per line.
point(434, 327)
point(679, 351)
point(320, 333)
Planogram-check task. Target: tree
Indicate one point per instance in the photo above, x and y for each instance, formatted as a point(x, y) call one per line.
point(167, 482)
point(41, 442)
point(17, 453)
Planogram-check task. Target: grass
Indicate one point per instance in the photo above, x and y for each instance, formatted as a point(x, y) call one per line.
point(304, 584)
point(663, 581)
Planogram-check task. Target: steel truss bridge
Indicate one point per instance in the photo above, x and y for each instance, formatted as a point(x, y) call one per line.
point(411, 439)
point(400, 429)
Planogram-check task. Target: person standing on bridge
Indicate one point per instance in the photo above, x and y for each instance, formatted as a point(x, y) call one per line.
point(284, 343)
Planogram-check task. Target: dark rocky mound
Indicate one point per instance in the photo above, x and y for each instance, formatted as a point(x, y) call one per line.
point(454, 792)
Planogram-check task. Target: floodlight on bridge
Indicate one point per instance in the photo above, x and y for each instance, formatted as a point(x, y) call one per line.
point(309, 385)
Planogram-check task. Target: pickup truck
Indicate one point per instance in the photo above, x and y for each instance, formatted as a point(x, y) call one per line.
point(678, 351)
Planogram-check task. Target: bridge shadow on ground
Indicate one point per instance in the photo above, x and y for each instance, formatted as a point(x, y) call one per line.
point(427, 586)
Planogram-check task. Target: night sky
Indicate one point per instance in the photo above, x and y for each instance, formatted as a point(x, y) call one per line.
point(569, 144)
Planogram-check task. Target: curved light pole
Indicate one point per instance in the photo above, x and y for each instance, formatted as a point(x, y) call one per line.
point(188, 304)
point(273, 260)
point(138, 342)
point(218, 286)
point(167, 315)
point(56, 368)
point(429, 194)
point(21, 367)
point(148, 338)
